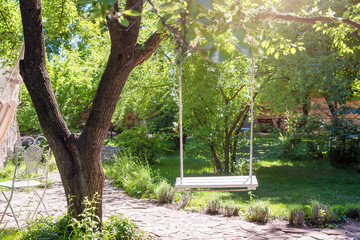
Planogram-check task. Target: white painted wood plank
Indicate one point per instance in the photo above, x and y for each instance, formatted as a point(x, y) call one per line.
point(216, 182)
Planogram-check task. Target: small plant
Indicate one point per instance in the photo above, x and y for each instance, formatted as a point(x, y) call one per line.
point(185, 200)
point(321, 214)
point(231, 210)
point(119, 227)
point(132, 175)
point(213, 207)
point(67, 227)
point(165, 192)
point(297, 217)
point(258, 211)
point(353, 213)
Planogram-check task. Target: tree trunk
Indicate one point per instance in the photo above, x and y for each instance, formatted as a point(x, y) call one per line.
point(78, 155)
point(226, 153)
point(215, 158)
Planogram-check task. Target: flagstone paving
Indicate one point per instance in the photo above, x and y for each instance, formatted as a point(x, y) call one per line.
point(165, 222)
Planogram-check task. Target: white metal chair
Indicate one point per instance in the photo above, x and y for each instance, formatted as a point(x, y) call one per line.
point(31, 171)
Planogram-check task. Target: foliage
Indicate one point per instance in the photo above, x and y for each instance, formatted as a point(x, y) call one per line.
point(321, 214)
point(140, 143)
point(258, 211)
point(185, 200)
point(345, 149)
point(215, 105)
point(231, 210)
point(117, 227)
point(297, 217)
point(305, 138)
point(133, 175)
point(213, 207)
point(164, 192)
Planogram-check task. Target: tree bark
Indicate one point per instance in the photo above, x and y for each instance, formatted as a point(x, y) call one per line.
point(78, 155)
point(215, 157)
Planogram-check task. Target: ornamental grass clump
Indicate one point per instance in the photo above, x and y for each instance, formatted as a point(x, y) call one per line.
point(185, 200)
point(132, 175)
point(230, 210)
point(321, 214)
point(258, 211)
point(213, 207)
point(164, 192)
point(297, 217)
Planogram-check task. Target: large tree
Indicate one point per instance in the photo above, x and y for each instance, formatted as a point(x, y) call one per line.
point(78, 155)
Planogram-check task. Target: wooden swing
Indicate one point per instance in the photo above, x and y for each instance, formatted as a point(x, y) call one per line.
point(217, 183)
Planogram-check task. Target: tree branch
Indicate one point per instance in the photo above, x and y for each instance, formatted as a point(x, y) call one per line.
point(310, 20)
point(142, 53)
point(233, 97)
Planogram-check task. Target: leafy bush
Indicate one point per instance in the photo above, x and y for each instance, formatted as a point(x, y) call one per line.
point(164, 192)
point(122, 228)
point(353, 212)
point(231, 210)
point(297, 217)
point(185, 200)
point(305, 138)
point(213, 207)
point(345, 146)
point(132, 175)
point(66, 227)
point(321, 214)
point(140, 143)
point(258, 211)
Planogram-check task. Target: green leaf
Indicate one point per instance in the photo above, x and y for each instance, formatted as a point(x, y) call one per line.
point(206, 3)
point(208, 36)
point(220, 2)
point(205, 20)
point(265, 44)
point(272, 50)
point(293, 50)
point(277, 55)
point(250, 26)
point(193, 10)
point(218, 55)
point(190, 35)
point(245, 49)
point(160, 27)
point(167, 4)
point(123, 21)
point(239, 33)
point(132, 13)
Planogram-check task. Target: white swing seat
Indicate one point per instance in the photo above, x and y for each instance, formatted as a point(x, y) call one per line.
point(225, 183)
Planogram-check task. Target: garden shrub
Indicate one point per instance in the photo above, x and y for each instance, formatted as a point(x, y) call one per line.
point(213, 207)
point(164, 192)
point(231, 210)
point(67, 227)
point(132, 175)
point(258, 211)
point(321, 214)
point(185, 200)
point(353, 212)
point(140, 143)
point(297, 217)
point(305, 138)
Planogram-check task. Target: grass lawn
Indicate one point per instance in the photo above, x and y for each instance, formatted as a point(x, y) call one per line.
point(283, 184)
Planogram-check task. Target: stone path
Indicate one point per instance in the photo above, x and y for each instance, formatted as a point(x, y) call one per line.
point(164, 222)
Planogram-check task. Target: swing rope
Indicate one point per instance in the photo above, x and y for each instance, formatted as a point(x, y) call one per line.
point(227, 183)
point(252, 83)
